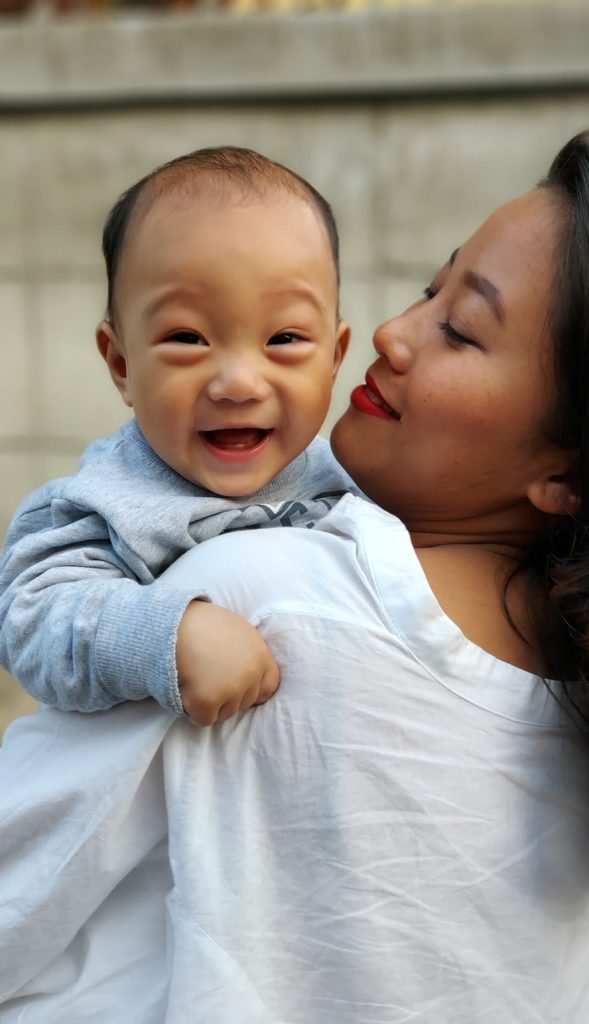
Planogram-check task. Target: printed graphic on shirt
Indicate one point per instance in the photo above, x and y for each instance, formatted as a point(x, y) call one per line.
point(287, 513)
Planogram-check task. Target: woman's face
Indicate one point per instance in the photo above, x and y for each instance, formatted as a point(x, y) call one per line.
point(449, 425)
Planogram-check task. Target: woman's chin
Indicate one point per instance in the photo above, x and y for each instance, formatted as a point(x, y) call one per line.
point(339, 446)
point(345, 447)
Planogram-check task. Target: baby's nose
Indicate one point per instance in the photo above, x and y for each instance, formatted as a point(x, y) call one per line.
point(238, 381)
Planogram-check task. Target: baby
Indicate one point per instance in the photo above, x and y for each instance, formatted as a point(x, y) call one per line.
point(223, 335)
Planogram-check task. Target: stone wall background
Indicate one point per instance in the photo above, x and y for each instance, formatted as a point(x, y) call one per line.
point(415, 122)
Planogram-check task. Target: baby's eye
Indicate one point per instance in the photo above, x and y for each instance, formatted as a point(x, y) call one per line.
point(284, 338)
point(429, 292)
point(187, 338)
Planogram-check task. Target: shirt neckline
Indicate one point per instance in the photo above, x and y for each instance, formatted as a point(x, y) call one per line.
point(434, 639)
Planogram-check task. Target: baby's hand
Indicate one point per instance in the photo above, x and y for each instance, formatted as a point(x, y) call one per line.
point(223, 664)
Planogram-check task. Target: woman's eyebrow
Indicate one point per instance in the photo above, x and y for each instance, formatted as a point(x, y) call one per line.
point(489, 292)
point(484, 287)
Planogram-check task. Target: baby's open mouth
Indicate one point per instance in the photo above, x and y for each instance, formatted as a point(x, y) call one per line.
point(234, 438)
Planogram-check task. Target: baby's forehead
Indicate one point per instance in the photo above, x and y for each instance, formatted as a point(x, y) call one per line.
point(186, 233)
point(158, 198)
point(182, 198)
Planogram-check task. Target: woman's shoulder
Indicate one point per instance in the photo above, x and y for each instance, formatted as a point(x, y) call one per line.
point(460, 583)
point(445, 605)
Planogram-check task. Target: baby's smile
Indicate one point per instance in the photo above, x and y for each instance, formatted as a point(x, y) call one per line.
point(235, 442)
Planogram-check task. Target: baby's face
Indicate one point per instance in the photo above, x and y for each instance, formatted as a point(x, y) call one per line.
point(227, 341)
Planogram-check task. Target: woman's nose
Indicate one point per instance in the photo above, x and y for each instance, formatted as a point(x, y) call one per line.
point(390, 341)
point(238, 379)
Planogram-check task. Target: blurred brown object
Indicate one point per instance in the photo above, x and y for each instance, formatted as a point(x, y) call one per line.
point(67, 6)
point(97, 6)
point(15, 6)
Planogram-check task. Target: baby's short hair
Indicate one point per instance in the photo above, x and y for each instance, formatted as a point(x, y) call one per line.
point(219, 167)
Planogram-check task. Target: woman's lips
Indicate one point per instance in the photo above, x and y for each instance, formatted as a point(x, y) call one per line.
point(367, 398)
point(236, 444)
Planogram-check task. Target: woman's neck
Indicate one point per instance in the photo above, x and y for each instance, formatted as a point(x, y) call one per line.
point(472, 586)
point(508, 534)
point(470, 569)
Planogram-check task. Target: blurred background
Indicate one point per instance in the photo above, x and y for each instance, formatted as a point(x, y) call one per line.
point(415, 119)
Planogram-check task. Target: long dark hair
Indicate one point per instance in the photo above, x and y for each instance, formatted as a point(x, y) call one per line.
point(564, 557)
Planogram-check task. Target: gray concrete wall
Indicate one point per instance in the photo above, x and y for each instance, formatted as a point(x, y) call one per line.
point(415, 123)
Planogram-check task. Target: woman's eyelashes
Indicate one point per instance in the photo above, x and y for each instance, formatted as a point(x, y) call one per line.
point(454, 336)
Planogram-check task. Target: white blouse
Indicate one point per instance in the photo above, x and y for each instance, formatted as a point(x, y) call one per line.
point(399, 836)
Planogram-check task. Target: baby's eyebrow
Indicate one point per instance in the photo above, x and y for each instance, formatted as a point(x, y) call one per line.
point(303, 292)
point(176, 294)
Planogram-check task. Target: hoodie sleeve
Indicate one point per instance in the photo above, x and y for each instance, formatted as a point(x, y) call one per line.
point(77, 629)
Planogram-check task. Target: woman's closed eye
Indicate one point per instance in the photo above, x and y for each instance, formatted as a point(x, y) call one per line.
point(454, 336)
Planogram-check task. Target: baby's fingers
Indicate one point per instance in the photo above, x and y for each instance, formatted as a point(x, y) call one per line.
point(270, 682)
point(255, 694)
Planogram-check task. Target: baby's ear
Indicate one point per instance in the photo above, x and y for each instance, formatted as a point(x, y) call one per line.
point(558, 494)
point(113, 353)
point(342, 340)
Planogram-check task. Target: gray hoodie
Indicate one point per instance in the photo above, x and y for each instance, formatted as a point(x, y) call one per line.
point(80, 627)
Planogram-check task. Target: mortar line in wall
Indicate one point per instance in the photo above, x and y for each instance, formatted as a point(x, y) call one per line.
point(402, 93)
point(31, 310)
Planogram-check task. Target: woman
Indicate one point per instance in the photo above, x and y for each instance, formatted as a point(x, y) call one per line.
point(400, 834)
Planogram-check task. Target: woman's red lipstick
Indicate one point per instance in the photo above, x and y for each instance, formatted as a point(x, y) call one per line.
point(366, 398)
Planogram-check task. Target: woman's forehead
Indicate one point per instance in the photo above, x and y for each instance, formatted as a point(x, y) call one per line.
point(525, 225)
point(514, 250)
